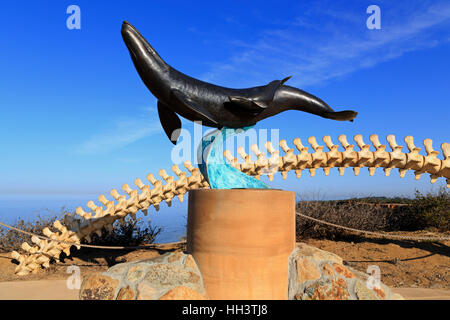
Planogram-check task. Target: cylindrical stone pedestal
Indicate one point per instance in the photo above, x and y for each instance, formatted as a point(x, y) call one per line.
point(241, 240)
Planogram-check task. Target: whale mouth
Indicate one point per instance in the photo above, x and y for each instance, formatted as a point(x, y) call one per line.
point(129, 28)
point(138, 45)
point(132, 38)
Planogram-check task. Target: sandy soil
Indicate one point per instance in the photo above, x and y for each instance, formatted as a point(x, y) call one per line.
point(402, 263)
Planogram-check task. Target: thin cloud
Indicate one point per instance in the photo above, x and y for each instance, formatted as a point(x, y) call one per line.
point(341, 46)
point(121, 133)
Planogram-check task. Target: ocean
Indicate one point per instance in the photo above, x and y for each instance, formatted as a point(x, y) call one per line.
point(12, 207)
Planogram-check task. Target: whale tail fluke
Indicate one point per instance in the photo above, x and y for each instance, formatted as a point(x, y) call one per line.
point(347, 115)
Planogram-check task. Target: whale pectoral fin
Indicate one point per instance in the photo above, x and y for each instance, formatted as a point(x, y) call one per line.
point(247, 104)
point(192, 105)
point(169, 121)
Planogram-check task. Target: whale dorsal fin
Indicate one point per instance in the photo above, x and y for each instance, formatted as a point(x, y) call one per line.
point(169, 121)
point(271, 88)
point(278, 83)
point(192, 105)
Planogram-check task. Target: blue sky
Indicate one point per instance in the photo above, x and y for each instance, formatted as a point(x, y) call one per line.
point(77, 120)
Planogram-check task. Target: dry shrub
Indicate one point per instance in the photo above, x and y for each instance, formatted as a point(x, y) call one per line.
point(429, 211)
point(433, 209)
point(350, 214)
point(12, 240)
point(128, 232)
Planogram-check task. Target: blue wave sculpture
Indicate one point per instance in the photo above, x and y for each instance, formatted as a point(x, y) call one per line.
point(218, 173)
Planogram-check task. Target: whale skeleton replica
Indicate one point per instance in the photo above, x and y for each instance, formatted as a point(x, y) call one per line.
point(80, 227)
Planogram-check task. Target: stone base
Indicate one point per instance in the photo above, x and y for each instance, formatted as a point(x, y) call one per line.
point(314, 274)
point(172, 276)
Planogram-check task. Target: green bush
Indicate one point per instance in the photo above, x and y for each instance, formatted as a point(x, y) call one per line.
point(433, 209)
point(382, 200)
point(127, 232)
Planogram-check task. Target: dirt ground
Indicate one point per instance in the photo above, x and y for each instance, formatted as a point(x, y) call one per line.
point(409, 264)
point(402, 263)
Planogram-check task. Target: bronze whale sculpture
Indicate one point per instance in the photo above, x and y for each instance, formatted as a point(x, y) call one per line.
point(213, 105)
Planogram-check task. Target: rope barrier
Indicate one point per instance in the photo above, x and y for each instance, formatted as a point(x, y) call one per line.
point(384, 235)
point(150, 246)
point(153, 246)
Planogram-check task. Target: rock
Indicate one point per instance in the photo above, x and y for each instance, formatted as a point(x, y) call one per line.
point(306, 270)
point(358, 274)
point(169, 275)
point(315, 274)
point(182, 293)
point(118, 268)
point(380, 293)
point(343, 270)
point(145, 291)
point(317, 254)
point(175, 257)
point(190, 263)
point(325, 290)
point(125, 294)
point(363, 292)
point(98, 287)
point(327, 270)
point(341, 282)
point(160, 259)
point(136, 273)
